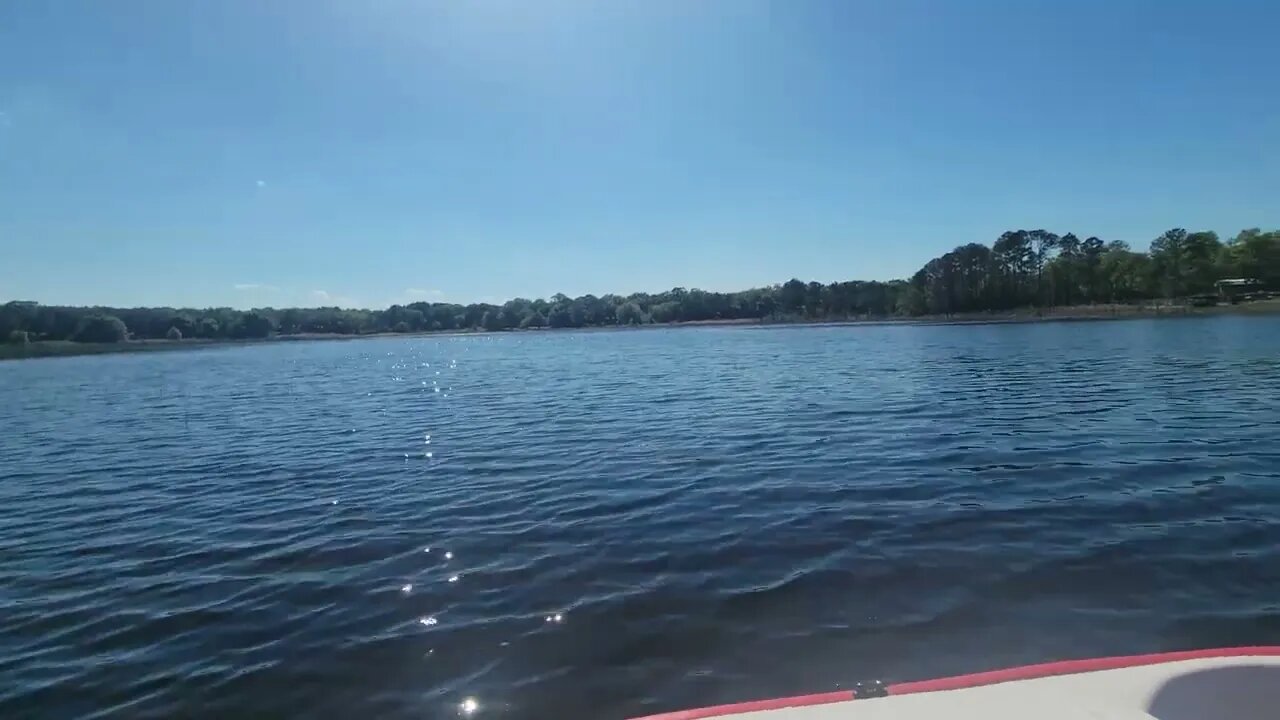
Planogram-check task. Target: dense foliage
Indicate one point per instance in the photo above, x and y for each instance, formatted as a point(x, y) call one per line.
point(1039, 268)
point(100, 329)
point(1023, 268)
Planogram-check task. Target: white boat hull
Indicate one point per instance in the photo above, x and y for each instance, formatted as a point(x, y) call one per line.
point(1226, 684)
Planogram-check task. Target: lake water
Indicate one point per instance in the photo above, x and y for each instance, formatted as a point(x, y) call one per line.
point(621, 523)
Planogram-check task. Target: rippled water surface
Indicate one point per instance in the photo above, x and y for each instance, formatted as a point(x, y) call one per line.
point(607, 524)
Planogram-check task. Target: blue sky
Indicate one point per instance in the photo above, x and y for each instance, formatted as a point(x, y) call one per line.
point(304, 152)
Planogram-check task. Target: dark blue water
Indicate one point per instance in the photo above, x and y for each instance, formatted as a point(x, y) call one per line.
point(626, 522)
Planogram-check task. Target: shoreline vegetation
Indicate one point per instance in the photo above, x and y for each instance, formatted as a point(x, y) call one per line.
point(1079, 313)
point(1025, 275)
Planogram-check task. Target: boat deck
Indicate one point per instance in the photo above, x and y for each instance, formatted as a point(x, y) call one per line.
point(1234, 684)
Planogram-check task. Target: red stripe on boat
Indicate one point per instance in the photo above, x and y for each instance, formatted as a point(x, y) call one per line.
point(1070, 667)
point(753, 706)
point(1026, 672)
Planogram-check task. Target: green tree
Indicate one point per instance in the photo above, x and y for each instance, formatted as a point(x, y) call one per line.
point(1256, 255)
point(1045, 243)
point(1092, 250)
point(17, 315)
point(1066, 271)
point(1201, 253)
point(665, 312)
point(1126, 274)
point(560, 317)
point(101, 329)
point(791, 297)
point(911, 301)
point(1013, 260)
point(253, 324)
point(184, 324)
point(971, 274)
point(290, 321)
point(208, 328)
point(1167, 260)
point(815, 299)
point(629, 313)
point(761, 303)
point(514, 312)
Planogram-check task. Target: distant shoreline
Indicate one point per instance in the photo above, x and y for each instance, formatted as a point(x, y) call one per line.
point(1076, 313)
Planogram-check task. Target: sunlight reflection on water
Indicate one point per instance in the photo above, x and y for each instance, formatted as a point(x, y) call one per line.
point(651, 520)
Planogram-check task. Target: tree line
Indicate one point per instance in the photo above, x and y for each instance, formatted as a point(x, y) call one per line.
point(793, 300)
point(1022, 268)
point(1038, 268)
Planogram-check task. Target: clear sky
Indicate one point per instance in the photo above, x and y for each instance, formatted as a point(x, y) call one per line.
point(305, 152)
